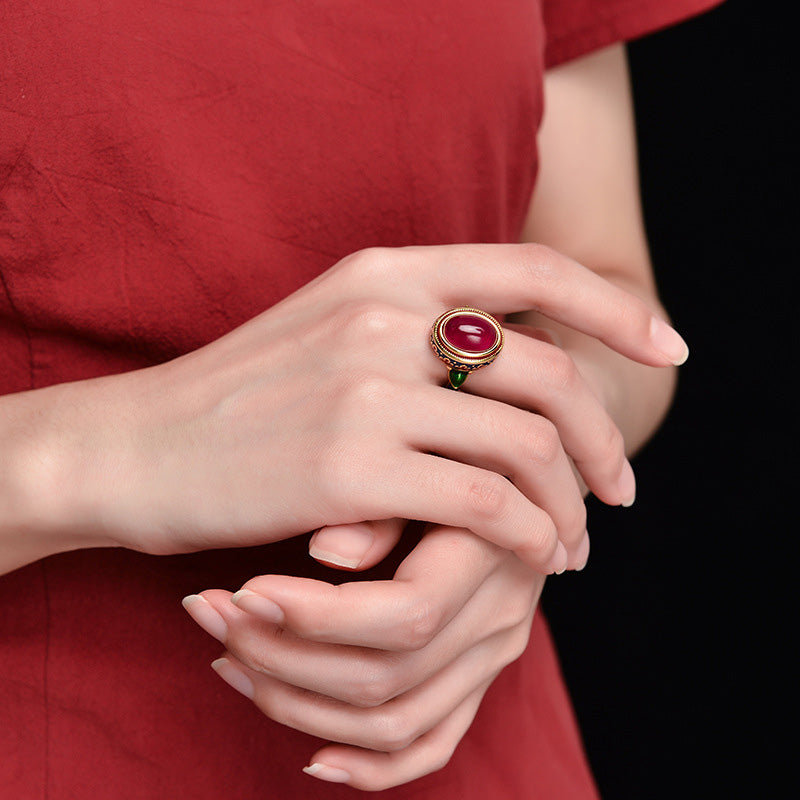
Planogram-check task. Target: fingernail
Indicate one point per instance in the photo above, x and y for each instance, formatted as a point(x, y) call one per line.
point(668, 342)
point(582, 553)
point(342, 545)
point(234, 677)
point(206, 616)
point(627, 485)
point(258, 605)
point(326, 773)
point(558, 563)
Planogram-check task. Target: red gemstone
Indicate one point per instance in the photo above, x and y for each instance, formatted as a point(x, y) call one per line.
point(470, 333)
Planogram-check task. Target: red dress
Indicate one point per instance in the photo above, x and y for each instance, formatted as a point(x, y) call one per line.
point(167, 171)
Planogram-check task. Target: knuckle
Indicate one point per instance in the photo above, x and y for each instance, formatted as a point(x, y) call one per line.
point(544, 444)
point(395, 730)
point(488, 497)
point(368, 263)
point(375, 686)
point(420, 623)
point(541, 260)
point(364, 318)
point(562, 374)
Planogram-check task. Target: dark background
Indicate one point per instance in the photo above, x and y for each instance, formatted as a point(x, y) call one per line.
point(676, 638)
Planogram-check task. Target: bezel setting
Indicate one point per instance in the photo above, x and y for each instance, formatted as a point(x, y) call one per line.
point(459, 359)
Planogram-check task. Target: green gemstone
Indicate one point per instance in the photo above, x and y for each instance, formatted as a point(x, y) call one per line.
point(457, 377)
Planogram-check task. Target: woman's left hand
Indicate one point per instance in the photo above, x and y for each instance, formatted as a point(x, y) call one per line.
point(391, 672)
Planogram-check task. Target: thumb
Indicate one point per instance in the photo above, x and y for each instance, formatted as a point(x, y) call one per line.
point(355, 546)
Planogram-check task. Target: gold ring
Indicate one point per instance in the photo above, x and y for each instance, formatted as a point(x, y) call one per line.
point(466, 339)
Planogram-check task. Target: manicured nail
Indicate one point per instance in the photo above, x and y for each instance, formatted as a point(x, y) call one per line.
point(326, 773)
point(206, 616)
point(558, 563)
point(258, 605)
point(668, 342)
point(342, 545)
point(582, 553)
point(234, 677)
point(627, 485)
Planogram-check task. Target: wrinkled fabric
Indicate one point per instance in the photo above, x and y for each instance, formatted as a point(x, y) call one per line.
point(167, 171)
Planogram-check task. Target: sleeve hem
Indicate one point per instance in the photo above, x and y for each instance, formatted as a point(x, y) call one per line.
point(625, 22)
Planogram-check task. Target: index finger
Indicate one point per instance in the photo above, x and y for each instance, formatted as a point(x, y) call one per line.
point(507, 278)
point(429, 588)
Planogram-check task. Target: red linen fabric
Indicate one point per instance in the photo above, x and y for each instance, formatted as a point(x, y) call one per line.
point(167, 171)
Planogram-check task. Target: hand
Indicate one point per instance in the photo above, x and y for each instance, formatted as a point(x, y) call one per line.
point(391, 672)
point(327, 409)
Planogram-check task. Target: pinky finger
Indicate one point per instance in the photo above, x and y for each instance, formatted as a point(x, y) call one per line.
point(372, 771)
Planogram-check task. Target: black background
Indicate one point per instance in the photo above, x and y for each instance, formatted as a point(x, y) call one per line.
point(675, 640)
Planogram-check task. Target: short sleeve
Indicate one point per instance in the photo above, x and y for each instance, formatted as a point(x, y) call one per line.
point(577, 27)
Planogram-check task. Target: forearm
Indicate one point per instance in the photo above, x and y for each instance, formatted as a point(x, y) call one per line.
point(587, 206)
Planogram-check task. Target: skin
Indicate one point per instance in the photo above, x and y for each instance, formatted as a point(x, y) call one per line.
point(182, 456)
point(393, 672)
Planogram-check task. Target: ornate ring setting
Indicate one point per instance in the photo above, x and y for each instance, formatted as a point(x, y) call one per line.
point(466, 339)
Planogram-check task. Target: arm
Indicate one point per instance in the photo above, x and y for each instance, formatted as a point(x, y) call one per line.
point(46, 445)
point(175, 458)
point(587, 205)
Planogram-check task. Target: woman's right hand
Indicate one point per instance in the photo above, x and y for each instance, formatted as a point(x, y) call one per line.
point(329, 408)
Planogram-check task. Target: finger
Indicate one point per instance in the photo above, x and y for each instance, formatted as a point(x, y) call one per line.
point(458, 495)
point(368, 677)
point(522, 446)
point(372, 479)
point(581, 556)
point(508, 278)
point(356, 546)
point(540, 377)
point(363, 677)
point(429, 588)
point(530, 374)
point(391, 726)
point(372, 771)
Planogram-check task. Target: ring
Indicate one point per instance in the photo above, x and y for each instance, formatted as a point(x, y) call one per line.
point(466, 339)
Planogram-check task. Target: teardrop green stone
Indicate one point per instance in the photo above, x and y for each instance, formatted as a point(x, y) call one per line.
point(457, 377)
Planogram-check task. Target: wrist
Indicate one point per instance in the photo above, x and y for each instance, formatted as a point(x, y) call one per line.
point(46, 493)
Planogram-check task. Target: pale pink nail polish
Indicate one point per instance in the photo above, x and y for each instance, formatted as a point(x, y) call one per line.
point(627, 485)
point(668, 342)
point(342, 545)
point(558, 563)
point(206, 616)
point(327, 773)
point(258, 605)
point(582, 553)
point(234, 677)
